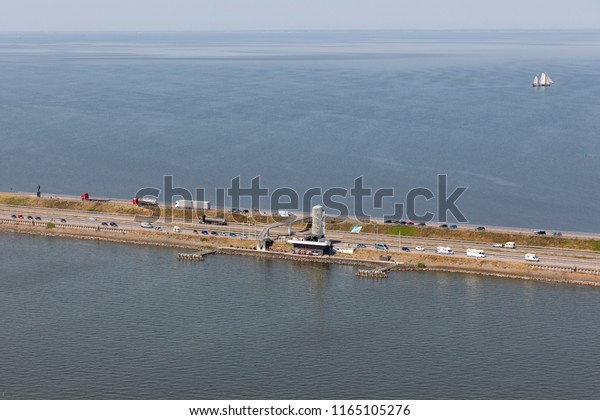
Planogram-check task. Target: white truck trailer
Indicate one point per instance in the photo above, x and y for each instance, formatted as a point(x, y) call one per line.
point(191, 204)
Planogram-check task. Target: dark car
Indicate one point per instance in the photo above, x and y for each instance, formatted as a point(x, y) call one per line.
point(453, 227)
point(214, 233)
point(104, 224)
point(403, 222)
point(539, 232)
point(405, 249)
point(444, 226)
point(113, 224)
point(233, 235)
point(38, 218)
point(422, 224)
point(204, 232)
point(30, 217)
point(481, 228)
point(195, 231)
point(387, 221)
point(14, 216)
point(361, 246)
point(63, 220)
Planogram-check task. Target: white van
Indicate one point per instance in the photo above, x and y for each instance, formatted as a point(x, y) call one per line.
point(176, 229)
point(477, 253)
point(510, 245)
point(146, 225)
point(444, 250)
point(531, 257)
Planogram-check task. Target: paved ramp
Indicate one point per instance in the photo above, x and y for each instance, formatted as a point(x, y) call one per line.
point(263, 236)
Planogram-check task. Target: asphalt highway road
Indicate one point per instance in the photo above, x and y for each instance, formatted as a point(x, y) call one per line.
point(549, 256)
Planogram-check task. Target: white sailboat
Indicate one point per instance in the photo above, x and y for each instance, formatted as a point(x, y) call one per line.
point(543, 80)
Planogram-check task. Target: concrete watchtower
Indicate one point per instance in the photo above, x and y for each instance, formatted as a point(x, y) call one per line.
point(318, 221)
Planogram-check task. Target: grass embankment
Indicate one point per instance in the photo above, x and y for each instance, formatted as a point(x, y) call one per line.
point(73, 205)
point(192, 215)
point(471, 235)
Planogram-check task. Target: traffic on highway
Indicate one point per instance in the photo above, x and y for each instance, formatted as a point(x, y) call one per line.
point(449, 248)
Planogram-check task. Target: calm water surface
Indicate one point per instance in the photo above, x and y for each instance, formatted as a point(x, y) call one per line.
point(93, 320)
point(112, 113)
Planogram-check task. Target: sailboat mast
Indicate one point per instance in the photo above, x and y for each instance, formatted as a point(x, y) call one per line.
point(543, 80)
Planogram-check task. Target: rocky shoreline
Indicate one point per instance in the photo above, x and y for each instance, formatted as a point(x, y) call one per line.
point(241, 248)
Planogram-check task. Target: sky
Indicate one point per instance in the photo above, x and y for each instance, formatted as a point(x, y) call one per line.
point(230, 15)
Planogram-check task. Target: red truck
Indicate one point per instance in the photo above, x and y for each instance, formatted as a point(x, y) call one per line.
point(86, 197)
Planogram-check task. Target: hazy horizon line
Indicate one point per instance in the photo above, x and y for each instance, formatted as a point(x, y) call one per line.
point(140, 31)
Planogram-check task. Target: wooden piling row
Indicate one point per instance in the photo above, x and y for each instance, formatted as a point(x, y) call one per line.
point(189, 257)
point(378, 274)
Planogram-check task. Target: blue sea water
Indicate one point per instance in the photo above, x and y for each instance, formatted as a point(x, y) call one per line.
point(90, 320)
point(112, 113)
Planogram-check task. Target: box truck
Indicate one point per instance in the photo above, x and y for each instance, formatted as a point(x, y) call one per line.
point(191, 204)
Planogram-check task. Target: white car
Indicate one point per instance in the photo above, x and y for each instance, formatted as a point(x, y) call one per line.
point(498, 245)
point(146, 225)
point(420, 248)
point(92, 219)
point(444, 250)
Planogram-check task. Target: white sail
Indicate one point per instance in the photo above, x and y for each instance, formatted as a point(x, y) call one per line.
point(536, 81)
point(549, 80)
point(543, 81)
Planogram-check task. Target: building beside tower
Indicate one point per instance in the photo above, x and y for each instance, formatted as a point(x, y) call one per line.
point(315, 243)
